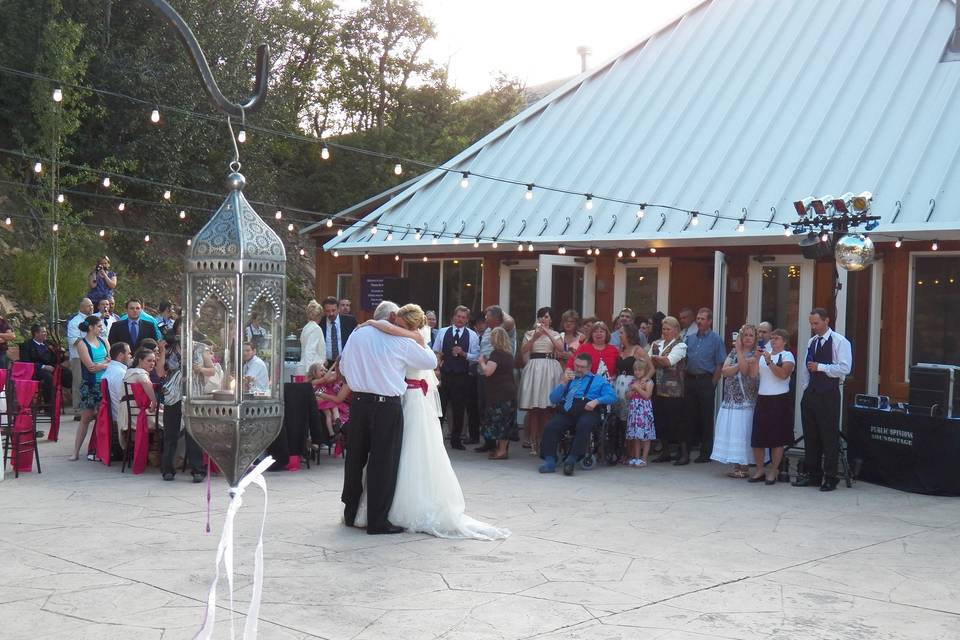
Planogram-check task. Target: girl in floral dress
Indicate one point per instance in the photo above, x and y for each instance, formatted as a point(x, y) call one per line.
point(640, 425)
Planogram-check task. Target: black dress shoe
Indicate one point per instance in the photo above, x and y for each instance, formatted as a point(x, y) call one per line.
point(829, 484)
point(682, 460)
point(168, 476)
point(568, 468)
point(806, 481)
point(457, 445)
point(379, 531)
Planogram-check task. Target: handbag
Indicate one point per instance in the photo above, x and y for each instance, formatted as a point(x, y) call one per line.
point(670, 380)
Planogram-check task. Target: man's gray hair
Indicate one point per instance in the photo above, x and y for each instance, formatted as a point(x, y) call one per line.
point(384, 309)
point(765, 324)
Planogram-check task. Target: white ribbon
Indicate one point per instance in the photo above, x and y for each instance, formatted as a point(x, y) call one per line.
point(225, 555)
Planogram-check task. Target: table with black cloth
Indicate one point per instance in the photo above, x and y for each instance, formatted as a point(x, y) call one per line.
point(300, 416)
point(910, 452)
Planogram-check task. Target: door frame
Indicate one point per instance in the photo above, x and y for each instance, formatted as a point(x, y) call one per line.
point(505, 279)
point(545, 280)
point(876, 315)
point(620, 282)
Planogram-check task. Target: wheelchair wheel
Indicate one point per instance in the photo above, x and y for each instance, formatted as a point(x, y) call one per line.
point(588, 462)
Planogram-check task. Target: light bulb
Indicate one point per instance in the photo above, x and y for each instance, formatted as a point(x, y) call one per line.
point(290, 227)
point(329, 222)
point(167, 195)
point(590, 251)
point(339, 232)
point(278, 215)
point(60, 198)
point(397, 169)
point(189, 242)
point(366, 256)
point(786, 230)
point(418, 235)
point(102, 232)
point(373, 230)
point(434, 241)
point(155, 116)
point(37, 167)
point(325, 152)
point(390, 236)
point(465, 180)
point(596, 251)
point(303, 252)
point(561, 250)
point(456, 240)
point(633, 254)
point(183, 214)
point(106, 182)
point(242, 136)
point(825, 237)
point(898, 243)
point(640, 213)
point(589, 203)
point(56, 227)
point(494, 245)
point(121, 206)
point(396, 258)
point(520, 247)
point(146, 238)
point(476, 243)
point(935, 246)
point(619, 254)
point(653, 249)
point(7, 221)
point(695, 220)
point(336, 254)
point(529, 194)
point(424, 258)
point(530, 246)
point(741, 227)
point(57, 95)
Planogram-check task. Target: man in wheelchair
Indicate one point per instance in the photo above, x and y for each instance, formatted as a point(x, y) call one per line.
point(577, 399)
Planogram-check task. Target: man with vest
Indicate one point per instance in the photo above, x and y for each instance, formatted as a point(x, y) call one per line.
point(578, 398)
point(828, 361)
point(458, 346)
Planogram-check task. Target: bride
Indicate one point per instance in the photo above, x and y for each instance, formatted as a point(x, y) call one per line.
point(428, 498)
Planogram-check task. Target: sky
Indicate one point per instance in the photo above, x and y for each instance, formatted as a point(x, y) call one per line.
point(536, 40)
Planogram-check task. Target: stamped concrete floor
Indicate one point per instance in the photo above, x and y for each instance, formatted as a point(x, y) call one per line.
point(664, 552)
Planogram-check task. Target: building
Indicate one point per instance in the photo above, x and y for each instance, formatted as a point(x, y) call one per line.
point(737, 109)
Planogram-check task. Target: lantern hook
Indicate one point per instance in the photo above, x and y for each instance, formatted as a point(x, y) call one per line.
point(253, 103)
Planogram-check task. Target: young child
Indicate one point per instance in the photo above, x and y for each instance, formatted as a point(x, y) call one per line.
point(331, 392)
point(640, 426)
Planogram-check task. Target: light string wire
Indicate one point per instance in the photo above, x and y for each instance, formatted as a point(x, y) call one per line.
point(348, 221)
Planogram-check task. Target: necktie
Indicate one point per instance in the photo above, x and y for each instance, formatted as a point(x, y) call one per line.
point(334, 341)
point(819, 343)
point(571, 393)
point(134, 332)
point(456, 336)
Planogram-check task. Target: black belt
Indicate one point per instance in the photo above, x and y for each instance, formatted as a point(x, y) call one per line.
point(698, 376)
point(540, 356)
point(359, 396)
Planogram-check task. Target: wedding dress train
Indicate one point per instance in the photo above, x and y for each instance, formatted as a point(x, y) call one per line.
point(428, 498)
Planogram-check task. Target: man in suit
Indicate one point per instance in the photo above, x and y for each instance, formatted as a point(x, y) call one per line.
point(459, 346)
point(132, 329)
point(47, 358)
point(336, 328)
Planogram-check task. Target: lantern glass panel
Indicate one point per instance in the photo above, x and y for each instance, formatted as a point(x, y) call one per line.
point(262, 353)
point(214, 352)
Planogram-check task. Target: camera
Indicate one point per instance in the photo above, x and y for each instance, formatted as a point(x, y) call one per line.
point(734, 336)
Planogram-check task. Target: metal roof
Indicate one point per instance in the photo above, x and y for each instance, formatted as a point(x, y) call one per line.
point(738, 106)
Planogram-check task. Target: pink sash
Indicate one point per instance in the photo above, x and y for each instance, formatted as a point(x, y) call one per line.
point(25, 391)
point(23, 370)
point(3, 378)
point(141, 444)
point(101, 428)
point(54, 432)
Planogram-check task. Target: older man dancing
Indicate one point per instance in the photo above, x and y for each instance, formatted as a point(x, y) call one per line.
point(578, 396)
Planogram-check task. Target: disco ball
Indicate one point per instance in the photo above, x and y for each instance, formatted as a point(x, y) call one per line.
point(854, 252)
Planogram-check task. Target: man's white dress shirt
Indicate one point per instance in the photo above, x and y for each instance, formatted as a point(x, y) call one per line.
point(376, 362)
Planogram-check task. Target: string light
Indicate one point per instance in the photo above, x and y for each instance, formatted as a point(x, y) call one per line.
point(389, 236)
point(529, 246)
point(278, 215)
point(373, 230)
point(529, 194)
point(183, 214)
point(418, 234)
point(189, 242)
point(155, 115)
point(424, 258)
point(619, 254)
point(695, 220)
point(653, 249)
point(825, 237)
point(325, 152)
point(494, 245)
point(741, 226)
point(290, 227)
point(633, 254)
point(366, 255)
point(562, 250)
point(396, 258)
point(106, 182)
point(641, 211)
point(434, 241)
point(61, 198)
point(590, 251)
point(397, 169)
point(786, 231)
point(329, 222)
point(303, 251)
point(56, 227)
point(146, 238)
point(520, 246)
point(37, 167)
point(456, 239)
point(167, 195)
point(339, 232)
point(103, 232)
point(898, 243)
point(123, 205)
point(596, 251)
point(465, 180)
point(589, 202)
point(336, 254)
point(57, 94)
point(935, 246)
point(242, 136)
point(7, 221)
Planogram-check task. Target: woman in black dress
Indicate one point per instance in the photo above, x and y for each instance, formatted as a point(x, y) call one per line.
point(773, 415)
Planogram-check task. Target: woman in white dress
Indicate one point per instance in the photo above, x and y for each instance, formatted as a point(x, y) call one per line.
point(428, 497)
point(735, 418)
point(312, 347)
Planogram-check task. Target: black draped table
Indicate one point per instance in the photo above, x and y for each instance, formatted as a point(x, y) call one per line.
point(300, 417)
point(909, 452)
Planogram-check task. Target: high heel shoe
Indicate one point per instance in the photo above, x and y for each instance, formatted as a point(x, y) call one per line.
point(760, 478)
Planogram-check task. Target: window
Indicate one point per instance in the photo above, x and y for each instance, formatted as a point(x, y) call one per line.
point(523, 296)
point(641, 293)
point(344, 281)
point(780, 299)
point(935, 333)
point(443, 285)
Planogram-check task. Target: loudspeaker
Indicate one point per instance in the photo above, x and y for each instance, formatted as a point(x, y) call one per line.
point(814, 249)
point(936, 387)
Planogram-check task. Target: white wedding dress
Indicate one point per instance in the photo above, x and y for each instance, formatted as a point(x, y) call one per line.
point(428, 498)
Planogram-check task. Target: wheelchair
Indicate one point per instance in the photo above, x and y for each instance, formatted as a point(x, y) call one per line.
point(603, 443)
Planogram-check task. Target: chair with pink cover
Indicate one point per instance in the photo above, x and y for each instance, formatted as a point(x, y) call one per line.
point(20, 431)
point(43, 411)
point(136, 456)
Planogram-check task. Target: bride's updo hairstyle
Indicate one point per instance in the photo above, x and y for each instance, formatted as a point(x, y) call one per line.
point(314, 310)
point(412, 316)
